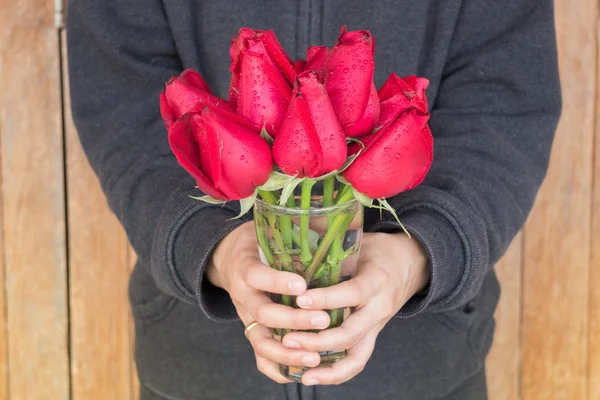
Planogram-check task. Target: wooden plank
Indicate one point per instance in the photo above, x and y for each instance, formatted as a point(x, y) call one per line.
point(557, 237)
point(135, 383)
point(594, 312)
point(504, 361)
point(99, 273)
point(3, 321)
point(33, 195)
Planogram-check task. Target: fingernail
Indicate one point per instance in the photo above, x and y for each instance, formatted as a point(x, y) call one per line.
point(319, 321)
point(312, 382)
point(309, 360)
point(296, 285)
point(304, 301)
point(290, 344)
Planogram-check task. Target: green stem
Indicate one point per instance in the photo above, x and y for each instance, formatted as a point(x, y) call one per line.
point(333, 231)
point(285, 258)
point(337, 252)
point(264, 243)
point(328, 186)
point(305, 254)
point(341, 192)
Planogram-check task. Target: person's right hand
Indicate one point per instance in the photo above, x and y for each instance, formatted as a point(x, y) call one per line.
point(236, 267)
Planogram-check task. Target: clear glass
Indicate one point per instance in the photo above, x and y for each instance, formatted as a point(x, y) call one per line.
point(321, 244)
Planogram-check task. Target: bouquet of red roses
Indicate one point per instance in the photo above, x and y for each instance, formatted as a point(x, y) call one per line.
point(288, 125)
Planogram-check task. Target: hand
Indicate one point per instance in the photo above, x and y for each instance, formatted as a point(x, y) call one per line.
point(391, 269)
point(236, 267)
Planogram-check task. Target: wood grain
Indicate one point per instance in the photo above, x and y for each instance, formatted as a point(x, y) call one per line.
point(34, 203)
point(594, 311)
point(3, 321)
point(99, 274)
point(135, 383)
point(504, 361)
point(557, 236)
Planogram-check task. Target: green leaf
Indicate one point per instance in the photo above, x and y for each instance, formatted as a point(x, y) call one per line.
point(288, 190)
point(313, 237)
point(246, 204)
point(265, 135)
point(351, 159)
point(276, 181)
point(208, 199)
point(363, 199)
point(384, 204)
point(343, 180)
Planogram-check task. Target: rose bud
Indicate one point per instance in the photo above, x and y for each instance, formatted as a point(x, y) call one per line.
point(188, 93)
point(395, 159)
point(310, 141)
point(223, 152)
point(349, 81)
point(262, 78)
point(398, 95)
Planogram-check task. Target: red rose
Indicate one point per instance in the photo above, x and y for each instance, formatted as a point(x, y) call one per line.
point(223, 152)
point(398, 95)
point(348, 75)
point(399, 154)
point(310, 141)
point(262, 78)
point(187, 93)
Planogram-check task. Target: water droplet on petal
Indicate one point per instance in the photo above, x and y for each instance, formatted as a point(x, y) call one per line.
point(242, 157)
point(386, 149)
point(354, 66)
point(398, 155)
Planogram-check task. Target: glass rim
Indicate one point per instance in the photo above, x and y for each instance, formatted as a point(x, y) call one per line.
point(312, 210)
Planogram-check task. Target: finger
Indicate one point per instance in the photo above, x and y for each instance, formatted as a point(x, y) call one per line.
point(271, 370)
point(343, 337)
point(346, 368)
point(261, 277)
point(272, 350)
point(274, 315)
point(355, 292)
point(256, 334)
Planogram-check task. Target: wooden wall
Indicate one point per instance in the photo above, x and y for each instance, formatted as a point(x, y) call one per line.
point(64, 318)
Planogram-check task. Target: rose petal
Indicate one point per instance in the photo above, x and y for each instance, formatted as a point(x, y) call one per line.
point(187, 152)
point(396, 160)
point(328, 129)
point(315, 58)
point(368, 122)
point(297, 149)
point(244, 158)
point(264, 93)
point(349, 74)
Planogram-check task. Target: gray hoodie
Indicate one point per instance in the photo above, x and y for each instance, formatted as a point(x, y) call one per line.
point(494, 100)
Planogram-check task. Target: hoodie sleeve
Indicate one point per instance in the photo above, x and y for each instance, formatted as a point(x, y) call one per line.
point(120, 55)
point(493, 122)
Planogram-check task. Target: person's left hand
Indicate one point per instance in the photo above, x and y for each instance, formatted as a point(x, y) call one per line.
point(391, 269)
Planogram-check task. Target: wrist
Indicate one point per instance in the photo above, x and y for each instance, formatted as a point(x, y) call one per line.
point(217, 261)
point(419, 272)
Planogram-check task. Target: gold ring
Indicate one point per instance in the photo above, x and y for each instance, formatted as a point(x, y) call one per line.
point(250, 326)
